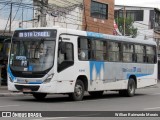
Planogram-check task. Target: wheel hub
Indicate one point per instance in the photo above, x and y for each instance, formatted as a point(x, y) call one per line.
point(78, 90)
point(131, 88)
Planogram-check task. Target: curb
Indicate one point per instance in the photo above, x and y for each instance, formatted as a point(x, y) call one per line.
point(11, 94)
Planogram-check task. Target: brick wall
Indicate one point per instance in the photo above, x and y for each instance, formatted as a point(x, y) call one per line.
point(98, 25)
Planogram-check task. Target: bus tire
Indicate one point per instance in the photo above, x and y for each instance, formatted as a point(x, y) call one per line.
point(96, 93)
point(78, 93)
point(130, 89)
point(39, 96)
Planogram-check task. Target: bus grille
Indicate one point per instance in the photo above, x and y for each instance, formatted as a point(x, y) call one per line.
point(32, 88)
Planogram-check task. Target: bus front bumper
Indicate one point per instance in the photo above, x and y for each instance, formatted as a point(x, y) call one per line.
point(53, 87)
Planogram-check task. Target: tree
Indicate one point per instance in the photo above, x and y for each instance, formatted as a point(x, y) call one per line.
point(129, 28)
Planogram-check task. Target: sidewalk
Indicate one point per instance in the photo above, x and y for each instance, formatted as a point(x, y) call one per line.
point(4, 92)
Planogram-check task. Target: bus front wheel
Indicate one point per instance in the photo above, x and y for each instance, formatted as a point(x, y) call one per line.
point(39, 96)
point(78, 93)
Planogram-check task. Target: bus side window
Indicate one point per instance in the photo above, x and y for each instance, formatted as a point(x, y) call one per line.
point(66, 59)
point(83, 45)
point(150, 53)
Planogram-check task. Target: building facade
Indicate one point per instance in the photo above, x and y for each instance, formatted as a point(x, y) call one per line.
point(98, 16)
point(143, 18)
point(90, 15)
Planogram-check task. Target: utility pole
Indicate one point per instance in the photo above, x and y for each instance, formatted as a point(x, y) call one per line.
point(22, 17)
point(44, 4)
point(33, 18)
point(10, 25)
point(124, 24)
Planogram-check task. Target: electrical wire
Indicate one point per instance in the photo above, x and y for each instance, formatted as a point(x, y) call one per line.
point(67, 16)
point(3, 6)
point(17, 11)
point(6, 24)
point(74, 16)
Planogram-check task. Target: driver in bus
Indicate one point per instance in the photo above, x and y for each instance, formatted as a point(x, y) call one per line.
point(81, 54)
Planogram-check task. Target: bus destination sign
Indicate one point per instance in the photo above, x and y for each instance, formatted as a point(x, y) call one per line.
point(35, 34)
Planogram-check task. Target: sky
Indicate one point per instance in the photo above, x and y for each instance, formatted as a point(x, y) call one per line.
point(16, 10)
point(143, 3)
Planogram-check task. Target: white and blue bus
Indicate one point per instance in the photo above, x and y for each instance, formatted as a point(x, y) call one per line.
point(67, 61)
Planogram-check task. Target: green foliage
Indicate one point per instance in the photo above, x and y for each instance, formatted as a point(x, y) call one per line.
point(129, 28)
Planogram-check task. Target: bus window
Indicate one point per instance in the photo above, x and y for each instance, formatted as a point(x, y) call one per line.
point(114, 49)
point(139, 53)
point(150, 54)
point(127, 53)
point(99, 50)
point(69, 52)
point(83, 49)
point(66, 59)
point(105, 55)
point(92, 49)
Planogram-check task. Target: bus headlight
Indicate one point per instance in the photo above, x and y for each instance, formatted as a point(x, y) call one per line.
point(48, 79)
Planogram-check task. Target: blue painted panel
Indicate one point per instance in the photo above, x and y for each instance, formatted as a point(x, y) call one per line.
point(34, 82)
point(10, 74)
point(137, 75)
point(98, 67)
point(93, 34)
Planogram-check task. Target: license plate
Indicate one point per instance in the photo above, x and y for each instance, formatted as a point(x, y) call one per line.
point(26, 90)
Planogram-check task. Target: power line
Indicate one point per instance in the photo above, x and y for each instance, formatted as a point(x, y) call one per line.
point(17, 11)
point(7, 22)
point(71, 15)
point(67, 17)
point(31, 6)
point(18, 5)
point(4, 6)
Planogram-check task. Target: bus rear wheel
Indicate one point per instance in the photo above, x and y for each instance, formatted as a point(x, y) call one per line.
point(130, 89)
point(39, 96)
point(78, 93)
point(96, 93)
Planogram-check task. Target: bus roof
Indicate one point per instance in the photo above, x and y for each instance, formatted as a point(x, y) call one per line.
point(106, 36)
point(96, 35)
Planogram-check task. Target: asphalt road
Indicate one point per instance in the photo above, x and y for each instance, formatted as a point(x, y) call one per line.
point(147, 99)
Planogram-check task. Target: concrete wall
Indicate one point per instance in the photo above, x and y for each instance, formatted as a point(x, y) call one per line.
point(99, 25)
point(144, 31)
point(67, 14)
point(72, 14)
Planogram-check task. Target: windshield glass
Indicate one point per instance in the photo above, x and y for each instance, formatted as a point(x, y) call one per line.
point(32, 54)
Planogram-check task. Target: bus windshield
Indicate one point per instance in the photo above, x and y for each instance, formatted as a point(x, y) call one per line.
point(35, 53)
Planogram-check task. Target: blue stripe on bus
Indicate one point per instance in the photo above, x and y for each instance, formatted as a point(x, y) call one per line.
point(93, 34)
point(137, 75)
point(34, 82)
point(10, 74)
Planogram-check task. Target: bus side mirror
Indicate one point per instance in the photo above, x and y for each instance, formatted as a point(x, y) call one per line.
point(62, 46)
